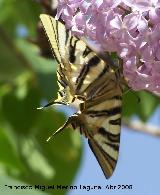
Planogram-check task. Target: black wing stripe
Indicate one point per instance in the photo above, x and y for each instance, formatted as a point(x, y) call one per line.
point(113, 145)
point(57, 35)
point(62, 83)
point(106, 154)
point(111, 112)
point(50, 42)
point(60, 74)
point(108, 158)
point(72, 49)
point(60, 93)
point(110, 136)
point(117, 97)
point(82, 73)
point(67, 36)
point(56, 39)
point(115, 122)
point(91, 63)
point(105, 69)
point(86, 52)
point(106, 88)
point(102, 73)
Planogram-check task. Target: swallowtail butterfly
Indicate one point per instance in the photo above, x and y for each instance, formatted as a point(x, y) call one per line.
point(92, 86)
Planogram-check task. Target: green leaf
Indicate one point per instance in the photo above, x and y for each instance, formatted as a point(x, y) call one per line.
point(20, 111)
point(57, 160)
point(31, 53)
point(148, 104)
point(45, 69)
point(142, 104)
point(9, 159)
point(27, 80)
point(11, 65)
point(48, 84)
point(130, 104)
point(63, 151)
point(15, 12)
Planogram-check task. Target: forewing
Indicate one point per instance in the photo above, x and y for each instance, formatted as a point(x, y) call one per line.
point(57, 35)
point(78, 64)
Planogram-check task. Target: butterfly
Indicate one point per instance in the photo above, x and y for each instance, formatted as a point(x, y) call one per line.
point(88, 83)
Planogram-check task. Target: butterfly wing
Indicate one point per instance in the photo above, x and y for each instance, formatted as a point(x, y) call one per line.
point(78, 65)
point(105, 121)
point(56, 34)
point(82, 72)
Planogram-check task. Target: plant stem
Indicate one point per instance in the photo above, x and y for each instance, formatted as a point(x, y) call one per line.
point(139, 126)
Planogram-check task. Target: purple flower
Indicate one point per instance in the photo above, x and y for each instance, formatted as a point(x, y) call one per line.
point(128, 27)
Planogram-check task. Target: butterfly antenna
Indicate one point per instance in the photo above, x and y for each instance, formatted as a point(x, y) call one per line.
point(49, 104)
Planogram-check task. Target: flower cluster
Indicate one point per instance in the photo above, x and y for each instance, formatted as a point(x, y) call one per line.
point(131, 28)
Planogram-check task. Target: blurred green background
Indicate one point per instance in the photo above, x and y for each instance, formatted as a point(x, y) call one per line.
point(28, 80)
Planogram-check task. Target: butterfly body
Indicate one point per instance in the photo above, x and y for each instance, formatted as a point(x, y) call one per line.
point(88, 83)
